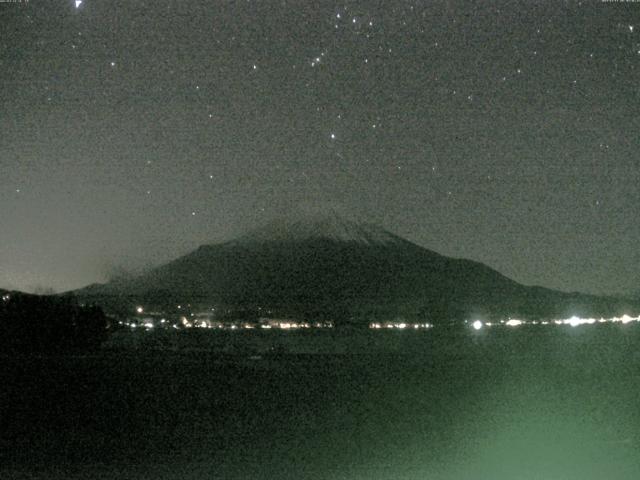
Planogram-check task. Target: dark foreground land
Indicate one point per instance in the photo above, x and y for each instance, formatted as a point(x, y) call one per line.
point(524, 403)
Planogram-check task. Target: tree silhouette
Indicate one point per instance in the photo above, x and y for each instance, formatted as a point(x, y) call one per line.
point(37, 324)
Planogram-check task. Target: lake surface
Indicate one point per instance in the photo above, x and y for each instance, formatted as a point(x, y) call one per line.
point(523, 403)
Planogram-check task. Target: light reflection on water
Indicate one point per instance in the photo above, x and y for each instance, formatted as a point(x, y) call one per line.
point(510, 403)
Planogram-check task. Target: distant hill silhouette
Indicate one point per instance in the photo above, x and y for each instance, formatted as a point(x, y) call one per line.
point(326, 266)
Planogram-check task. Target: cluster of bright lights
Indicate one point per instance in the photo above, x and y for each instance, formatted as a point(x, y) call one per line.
point(399, 325)
point(222, 325)
point(192, 321)
point(574, 321)
point(289, 325)
point(6, 298)
point(188, 323)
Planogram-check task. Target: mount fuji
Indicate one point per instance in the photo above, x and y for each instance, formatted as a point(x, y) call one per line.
point(325, 266)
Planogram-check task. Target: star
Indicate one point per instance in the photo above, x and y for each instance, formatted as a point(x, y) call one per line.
point(78, 3)
point(631, 28)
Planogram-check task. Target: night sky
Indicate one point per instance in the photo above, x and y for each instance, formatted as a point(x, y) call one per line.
point(505, 132)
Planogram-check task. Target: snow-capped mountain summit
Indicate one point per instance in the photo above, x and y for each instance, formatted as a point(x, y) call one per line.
point(320, 226)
